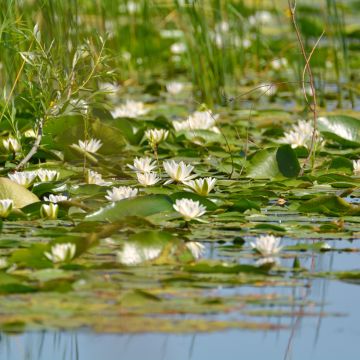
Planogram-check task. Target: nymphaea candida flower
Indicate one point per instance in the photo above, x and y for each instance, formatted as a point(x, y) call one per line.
point(189, 209)
point(148, 178)
point(60, 253)
point(267, 245)
point(156, 136)
point(301, 135)
point(143, 165)
point(91, 146)
point(199, 120)
point(356, 167)
point(131, 109)
point(134, 254)
point(11, 144)
point(94, 178)
point(120, 193)
point(46, 175)
point(23, 178)
point(197, 249)
point(202, 186)
point(174, 87)
point(56, 198)
point(50, 211)
point(6, 206)
point(178, 172)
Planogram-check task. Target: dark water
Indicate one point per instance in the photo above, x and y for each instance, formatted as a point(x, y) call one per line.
point(315, 337)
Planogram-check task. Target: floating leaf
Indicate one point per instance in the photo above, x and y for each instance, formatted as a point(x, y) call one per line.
point(16, 192)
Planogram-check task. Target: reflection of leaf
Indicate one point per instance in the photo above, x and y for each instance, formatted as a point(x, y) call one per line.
point(141, 206)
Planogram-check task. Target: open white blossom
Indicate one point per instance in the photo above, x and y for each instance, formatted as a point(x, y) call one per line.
point(197, 249)
point(23, 178)
point(92, 145)
point(11, 144)
point(131, 109)
point(110, 89)
point(148, 178)
point(178, 48)
point(174, 87)
point(50, 211)
point(301, 135)
point(202, 186)
point(94, 178)
point(156, 136)
point(356, 166)
point(278, 64)
point(267, 245)
point(120, 193)
point(6, 206)
point(61, 253)
point(260, 18)
point(45, 175)
point(199, 120)
point(189, 209)
point(56, 198)
point(134, 254)
point(178, 172)
point(143, 165)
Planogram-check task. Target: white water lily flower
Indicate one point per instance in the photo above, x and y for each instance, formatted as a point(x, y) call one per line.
point(178, 48)
point(94, 178)
point(143, 165)
point(120, 193)
point(174, 87)
point(11, 144)
point(199, 120)
point(6, 206)
point(156, 136)
point(49, 211)
point(131, 109)
point(133, 254)
point(178, 172)
point(56, 198)
point(61, 252)
point(267, 245)
point(260, 18)
point(301, 135)
point(277, 64)
point(23, 178)
point(110, 89)
point(92, 145)
point(148, 178)
point(47, 175)
point(356, 166)
point(202, 186)
point(197, 249)
point(189, 209)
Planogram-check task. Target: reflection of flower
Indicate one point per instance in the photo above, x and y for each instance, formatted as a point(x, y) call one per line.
point(197, 249)
point(174, 87)
point(143, 165)
point(267, 260)
point(120, 193)
point(49, 211)
point(24, 178)
point(11, 144)
point(147, 179)
point(133, 254)
point(47, 175)
point(92, 145)
point(156, 136)
point(6, 206)
point(199, 120)
point(189, 209)
point(267, 245)
point(178, 172)
point(61, 252)
point(356, 166)
point(56, 198)
point(202, 186)
point(130, 109)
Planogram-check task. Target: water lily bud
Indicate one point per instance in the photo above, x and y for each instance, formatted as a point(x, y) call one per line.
point(6, 206)
point(49, 211)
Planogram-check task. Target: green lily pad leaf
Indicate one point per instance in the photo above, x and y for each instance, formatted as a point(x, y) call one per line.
point(50, 274)
point(209, 267)
point(341, 128)
point(210, 206)
point(330, 205)
point(287, 161)
point(16, 192)
point(264, 165)
point(31, 257)
point(141, 206)
point(138, 297)
point(244, 204)
point(316, 246)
